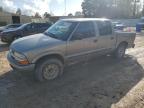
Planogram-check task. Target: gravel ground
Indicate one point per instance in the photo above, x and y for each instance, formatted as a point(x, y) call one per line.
point(99, 83)
point(3, 46)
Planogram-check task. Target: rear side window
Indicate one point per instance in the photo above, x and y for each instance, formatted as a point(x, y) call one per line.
point(104, 27)
point(35, 26)
point(28, 27)
point(84, 30)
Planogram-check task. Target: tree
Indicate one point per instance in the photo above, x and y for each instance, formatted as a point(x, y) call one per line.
point(110, 8)
point(78, 13)
point(37, 15)
point(51, 13)
point(46, 15)
point(136, 7)
point(70, 14)
point(18, 12)
point(96, 8)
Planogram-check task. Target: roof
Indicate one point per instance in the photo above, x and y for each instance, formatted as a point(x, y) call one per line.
point(85, 19)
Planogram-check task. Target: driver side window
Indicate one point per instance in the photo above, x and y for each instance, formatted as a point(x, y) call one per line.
point(28, 27)
point(84, 30)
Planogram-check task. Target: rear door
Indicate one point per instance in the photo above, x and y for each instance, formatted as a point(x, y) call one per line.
point(106, 39)
point(82, 41)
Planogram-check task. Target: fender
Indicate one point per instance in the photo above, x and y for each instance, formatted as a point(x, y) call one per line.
point(48, 54)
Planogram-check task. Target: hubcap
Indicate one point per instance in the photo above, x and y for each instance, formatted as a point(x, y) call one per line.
point(50, 71)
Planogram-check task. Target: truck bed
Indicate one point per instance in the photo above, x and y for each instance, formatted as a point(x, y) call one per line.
point(128, 37)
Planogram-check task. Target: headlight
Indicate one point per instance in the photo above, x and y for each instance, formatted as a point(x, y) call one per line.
point(20, 58)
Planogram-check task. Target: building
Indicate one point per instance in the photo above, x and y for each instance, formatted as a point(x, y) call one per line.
point(10, 18)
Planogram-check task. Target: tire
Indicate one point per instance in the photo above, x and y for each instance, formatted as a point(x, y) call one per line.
point(48, 69)
point(120, 51)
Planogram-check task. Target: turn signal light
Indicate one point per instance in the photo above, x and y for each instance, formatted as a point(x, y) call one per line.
point(24, 62)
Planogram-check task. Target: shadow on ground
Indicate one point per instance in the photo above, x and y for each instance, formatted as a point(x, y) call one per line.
point(98, 83)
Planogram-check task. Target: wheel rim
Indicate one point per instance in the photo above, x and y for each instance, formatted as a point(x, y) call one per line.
point(121, 51)
point(50, 71)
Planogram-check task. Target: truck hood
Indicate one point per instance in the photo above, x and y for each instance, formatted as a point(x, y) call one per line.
point(33, 42)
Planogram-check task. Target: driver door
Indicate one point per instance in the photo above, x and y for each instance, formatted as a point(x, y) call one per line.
point(81, 42)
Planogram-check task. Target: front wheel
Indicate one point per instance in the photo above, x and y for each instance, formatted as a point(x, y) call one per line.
point(48, 69)
point(120, 51)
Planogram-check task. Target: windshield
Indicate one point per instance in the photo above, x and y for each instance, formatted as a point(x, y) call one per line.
point(22, 26)
point(61, 30)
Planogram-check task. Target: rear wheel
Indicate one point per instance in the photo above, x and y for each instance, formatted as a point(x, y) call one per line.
point(48, 69)
point(120, 51)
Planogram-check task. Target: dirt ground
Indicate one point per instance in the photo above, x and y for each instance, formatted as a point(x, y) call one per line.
point(99, 83)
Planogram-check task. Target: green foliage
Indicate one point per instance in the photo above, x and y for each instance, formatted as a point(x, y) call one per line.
point(46, 15)
point(111, 8)
point(70, 14)
point(37, 15)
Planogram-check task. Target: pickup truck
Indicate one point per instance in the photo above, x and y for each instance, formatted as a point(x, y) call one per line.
point(67, 41)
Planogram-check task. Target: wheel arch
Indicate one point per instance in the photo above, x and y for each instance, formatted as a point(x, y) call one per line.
point(58, 56)
point(123, 42)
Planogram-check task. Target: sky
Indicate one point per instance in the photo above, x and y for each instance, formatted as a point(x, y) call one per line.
point(29, 7)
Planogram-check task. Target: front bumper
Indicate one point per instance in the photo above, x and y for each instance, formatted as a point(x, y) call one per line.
point(16, 66)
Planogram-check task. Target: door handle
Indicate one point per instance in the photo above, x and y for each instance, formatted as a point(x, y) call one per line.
point(95, 40)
